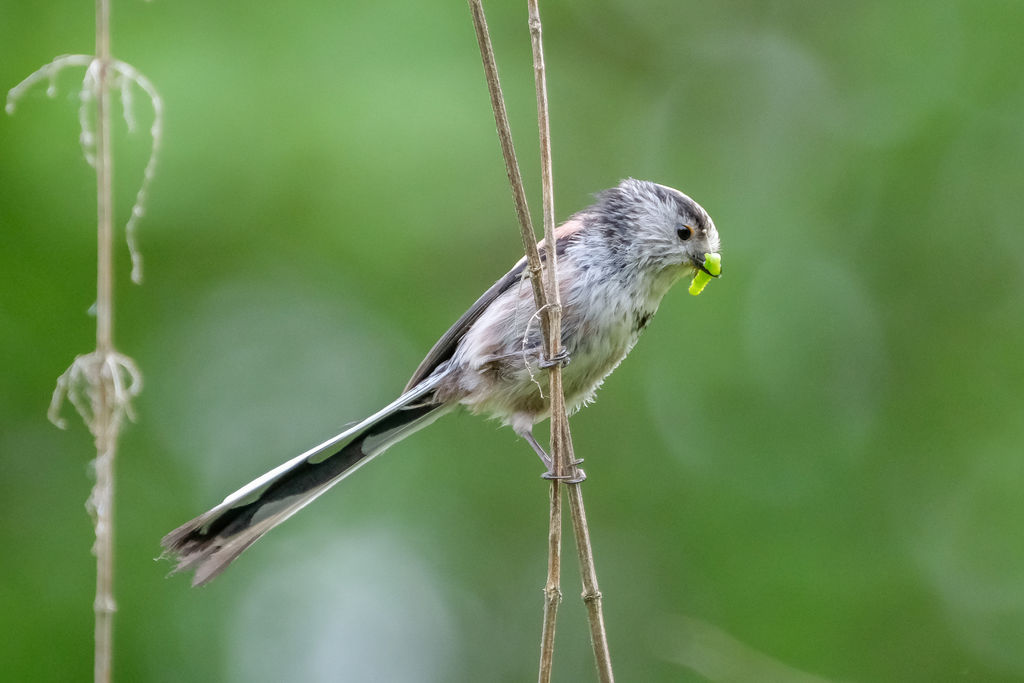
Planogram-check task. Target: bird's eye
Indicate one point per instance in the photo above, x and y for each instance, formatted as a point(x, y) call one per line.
point(684, 232)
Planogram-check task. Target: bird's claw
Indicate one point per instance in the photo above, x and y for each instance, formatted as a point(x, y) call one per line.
point(561, 358)
point(577, 476)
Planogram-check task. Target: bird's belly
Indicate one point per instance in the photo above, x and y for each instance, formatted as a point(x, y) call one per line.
point(523, 389)
point(591, 361)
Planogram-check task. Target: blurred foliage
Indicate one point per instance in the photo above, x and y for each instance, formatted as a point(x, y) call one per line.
point(807, 473)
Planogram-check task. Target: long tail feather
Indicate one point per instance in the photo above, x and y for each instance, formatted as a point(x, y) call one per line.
point(211, 541)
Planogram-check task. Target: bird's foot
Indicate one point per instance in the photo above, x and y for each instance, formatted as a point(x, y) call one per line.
point(576, 476)
point(561, 358)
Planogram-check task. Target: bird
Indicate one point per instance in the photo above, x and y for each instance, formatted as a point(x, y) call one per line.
point(616, 259)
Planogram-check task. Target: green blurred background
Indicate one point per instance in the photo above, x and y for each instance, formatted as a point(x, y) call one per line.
point(812, 472)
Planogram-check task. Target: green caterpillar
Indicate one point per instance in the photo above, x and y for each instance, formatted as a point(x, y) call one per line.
point(713, 264)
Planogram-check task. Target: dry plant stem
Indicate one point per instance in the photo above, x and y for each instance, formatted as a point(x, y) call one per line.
point(548, 303)
point(561, 446)
point(552, 593)
point(515, 178)
point(101, 384)
point(105, 429)
point(591, 592)
point(561, 440)
point(559, 443)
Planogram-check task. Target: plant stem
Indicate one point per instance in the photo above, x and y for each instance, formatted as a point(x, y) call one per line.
point(552, 591)
point(104, 184)
point(105, 430)
point(547, 299)
point(515, 178)
point(591, 593)
point(561, 440)
point(559, 443)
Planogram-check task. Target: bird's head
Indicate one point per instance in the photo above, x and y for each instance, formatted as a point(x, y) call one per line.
point(662, 229)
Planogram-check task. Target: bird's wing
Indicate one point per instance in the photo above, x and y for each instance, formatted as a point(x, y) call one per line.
point(446, 345)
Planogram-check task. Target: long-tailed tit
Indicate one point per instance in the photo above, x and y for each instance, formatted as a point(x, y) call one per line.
point(616, 260)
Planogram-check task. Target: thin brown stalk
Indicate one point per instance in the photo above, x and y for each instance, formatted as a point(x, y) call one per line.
point(101, 384)
point(548, 302)
point(102, 499)
point(591, 593)
point(515, 178)
point(559, 443)
point(552, 592)
point(104, 184)
point(561, 440)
